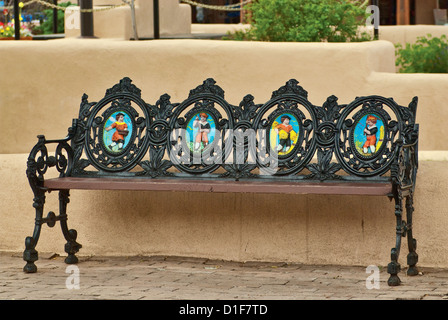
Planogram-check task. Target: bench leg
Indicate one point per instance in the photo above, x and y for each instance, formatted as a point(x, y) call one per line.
point(394, 267)
point(412, 257)
point(30, 254)
point(71, 247)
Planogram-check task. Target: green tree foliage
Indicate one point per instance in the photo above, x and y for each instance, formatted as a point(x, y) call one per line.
point(47, 25)
point(304, 21)
point(428, 55)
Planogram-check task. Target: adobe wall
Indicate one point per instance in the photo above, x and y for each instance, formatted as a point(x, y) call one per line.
point(311, 229)
point(70, 67)
point(174, 19)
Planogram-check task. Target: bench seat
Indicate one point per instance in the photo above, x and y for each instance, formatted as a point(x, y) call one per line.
point(223, 186)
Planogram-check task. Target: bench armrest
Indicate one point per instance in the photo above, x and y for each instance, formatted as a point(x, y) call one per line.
point(39, 160)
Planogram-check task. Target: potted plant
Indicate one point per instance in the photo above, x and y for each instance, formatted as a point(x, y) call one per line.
point(7, 32)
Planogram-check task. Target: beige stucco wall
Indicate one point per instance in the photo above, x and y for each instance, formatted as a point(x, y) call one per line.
point(42, 92)
point(218, 28)
point(243, 227)
point(409, 34)
point(174, 19)
point(395, 34)
point(68, 68)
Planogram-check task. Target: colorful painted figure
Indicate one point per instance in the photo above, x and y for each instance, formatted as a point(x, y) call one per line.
point(370, 132)
point(284, 131)
point(203, 131)
point(121, 131)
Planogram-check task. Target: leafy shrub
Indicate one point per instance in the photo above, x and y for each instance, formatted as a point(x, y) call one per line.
point(427, 55)
point(304, 20)
point(47, 26)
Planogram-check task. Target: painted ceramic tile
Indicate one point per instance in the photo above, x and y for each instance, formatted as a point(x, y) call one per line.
point(116, 133)
point(369, 135)
point(200, 131)
point(284, 134)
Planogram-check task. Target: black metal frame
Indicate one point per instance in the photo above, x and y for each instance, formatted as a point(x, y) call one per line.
point(154, 150)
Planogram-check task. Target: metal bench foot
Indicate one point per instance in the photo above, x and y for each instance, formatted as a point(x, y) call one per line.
point(394, 281)
point(412, 257)
point(30, 256)
point(71, 259)
point(412, 271)
point(412, 261)
point(30, 267)
point(71, 247)
point(393, 268)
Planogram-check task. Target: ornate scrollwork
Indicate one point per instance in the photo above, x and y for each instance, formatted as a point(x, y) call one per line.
point(160, 114)
point(158, 132)
point(84, 109)
point(163, 110)
point(39, 161)
point(362, 152)
point(291, 86)
point(404, 172)
point(247, 109)
point(125, 86)
point(208, 86)
point(112, 133)
point(324, 169)
point(158, 140)
point(327, 115)
point(156, 166)
point(100, 150)
point(289, 123)
point(197, 142)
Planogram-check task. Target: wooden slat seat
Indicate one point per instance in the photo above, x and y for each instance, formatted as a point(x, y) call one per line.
point(223, 186)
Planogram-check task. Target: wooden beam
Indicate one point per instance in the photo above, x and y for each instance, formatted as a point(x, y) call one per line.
point(403, 12)
point(407, 12)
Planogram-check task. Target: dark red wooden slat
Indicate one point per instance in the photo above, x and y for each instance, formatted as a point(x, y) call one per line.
point(340, 188)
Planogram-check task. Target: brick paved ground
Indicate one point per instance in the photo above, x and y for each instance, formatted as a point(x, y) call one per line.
point(175, 278)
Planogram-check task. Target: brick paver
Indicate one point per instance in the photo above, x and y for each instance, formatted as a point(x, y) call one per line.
point(177, 278)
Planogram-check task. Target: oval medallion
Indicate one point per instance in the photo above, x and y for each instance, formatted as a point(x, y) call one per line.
point(117, 132)
point(368, 135)
point(200, 131)
point(284, 134)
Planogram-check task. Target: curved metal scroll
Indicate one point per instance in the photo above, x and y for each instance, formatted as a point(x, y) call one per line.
point(197, 143)
point(113, 132)
point(206, 136)
point(288, 121)
point(369, 132)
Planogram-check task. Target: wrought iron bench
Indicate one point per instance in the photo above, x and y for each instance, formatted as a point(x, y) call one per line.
point(204, 144)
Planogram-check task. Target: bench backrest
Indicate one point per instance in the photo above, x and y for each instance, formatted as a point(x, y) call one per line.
point(285, 138)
